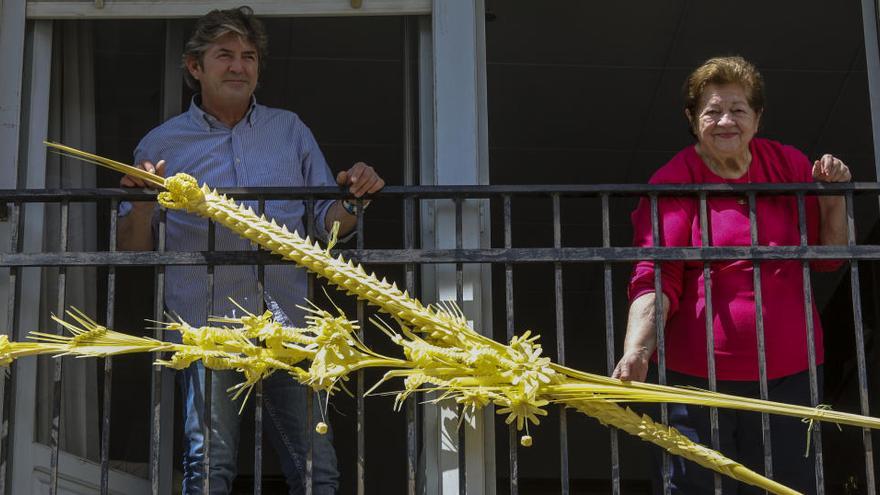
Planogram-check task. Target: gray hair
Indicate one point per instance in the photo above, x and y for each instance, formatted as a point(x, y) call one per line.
point(218, 23)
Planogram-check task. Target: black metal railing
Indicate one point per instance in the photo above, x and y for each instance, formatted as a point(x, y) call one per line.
point(410, 257)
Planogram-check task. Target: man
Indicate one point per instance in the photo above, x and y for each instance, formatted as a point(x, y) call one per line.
point(226, 139)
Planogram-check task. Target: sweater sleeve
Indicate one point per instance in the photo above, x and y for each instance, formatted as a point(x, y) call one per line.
point(804, 170)
point(675, 217)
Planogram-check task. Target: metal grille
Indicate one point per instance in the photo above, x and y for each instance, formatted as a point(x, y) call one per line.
point(410, 257)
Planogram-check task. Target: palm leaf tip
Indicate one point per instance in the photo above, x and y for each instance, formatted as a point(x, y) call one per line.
point(124, 168)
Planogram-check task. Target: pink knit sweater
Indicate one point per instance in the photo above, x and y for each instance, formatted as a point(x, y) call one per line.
point(733, 301)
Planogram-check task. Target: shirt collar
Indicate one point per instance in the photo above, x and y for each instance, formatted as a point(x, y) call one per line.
point(207, 121)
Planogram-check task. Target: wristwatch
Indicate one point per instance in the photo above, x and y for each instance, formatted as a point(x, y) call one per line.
point(351, 206)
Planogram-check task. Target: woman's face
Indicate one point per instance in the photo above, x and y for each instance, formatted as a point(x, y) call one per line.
point(725, 122)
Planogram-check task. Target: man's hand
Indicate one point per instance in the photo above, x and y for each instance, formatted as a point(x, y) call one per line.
point(633, 366)
point(132, 181)
point(831, 169)
point(134, 232)
point(361, 179)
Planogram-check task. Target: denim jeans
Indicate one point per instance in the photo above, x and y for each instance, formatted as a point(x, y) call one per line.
point(284, 422)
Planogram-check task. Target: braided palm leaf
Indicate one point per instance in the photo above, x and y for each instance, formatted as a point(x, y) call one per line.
point(444, 354)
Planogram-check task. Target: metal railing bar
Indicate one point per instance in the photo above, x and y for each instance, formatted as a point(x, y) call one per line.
point(659, 326)
point(310, 404)
point(108, 361)
point(484, 255)
point(459, 300)
point(361, 379)
point(258, 438)
point(816, 436)
point(560, 345)
point(705, 240)
point(463, 191)
point(508, 308)
point(55, 429)
point(412, 433)
point(409, 35)
point(159, 316)
point(759, 331)
point(856, 292)
point(609, 338)
point(258, 388)
point(310, 420)
point(209, 374)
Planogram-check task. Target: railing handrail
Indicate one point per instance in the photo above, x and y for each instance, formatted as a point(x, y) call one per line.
point(456, 191)
point(627, 254)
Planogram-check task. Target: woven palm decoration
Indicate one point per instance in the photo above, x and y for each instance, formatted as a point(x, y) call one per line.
point(441, 353)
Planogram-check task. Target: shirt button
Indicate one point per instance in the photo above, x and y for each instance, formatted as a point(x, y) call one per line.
point(237, 160)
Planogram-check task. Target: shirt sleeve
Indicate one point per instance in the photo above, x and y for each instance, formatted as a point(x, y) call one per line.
point(674, 231)
point(675, 216)
point(125, 207)
point(316, 172)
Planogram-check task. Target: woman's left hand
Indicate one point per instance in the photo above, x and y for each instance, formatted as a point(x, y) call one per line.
point(831, 169)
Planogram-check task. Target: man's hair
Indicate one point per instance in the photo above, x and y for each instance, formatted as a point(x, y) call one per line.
point(218, 23)
point(724, 70)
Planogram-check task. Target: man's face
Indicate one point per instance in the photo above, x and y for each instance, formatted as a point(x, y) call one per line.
point(228, 71)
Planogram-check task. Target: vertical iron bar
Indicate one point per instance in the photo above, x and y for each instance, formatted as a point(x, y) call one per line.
point(560, 344)
point(158, 315)
point(361, 406)
point(659, 325)
point(410, 33)
point(55, 436)
point(108, 361)
point(411, 402)
point(459, 300)
point(310, 406)
point(209, 375)
point(705, 242)
point(12, 314)
point(759, 330)
point(867, 442)
point(508, 284)
point(258, 389)
point(609, 339)
point(258, 437)
point(816, 436)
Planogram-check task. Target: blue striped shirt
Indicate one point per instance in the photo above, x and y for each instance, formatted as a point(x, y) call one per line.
point(269, 147)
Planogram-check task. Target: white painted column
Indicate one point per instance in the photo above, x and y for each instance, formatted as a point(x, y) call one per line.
point(454, 151)
point(30, 171)
point(12, 28)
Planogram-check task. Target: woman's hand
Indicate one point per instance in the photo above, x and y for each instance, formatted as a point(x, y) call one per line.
point(831, 169)
point(832, 209)
point(633, 366)
point(641, 338)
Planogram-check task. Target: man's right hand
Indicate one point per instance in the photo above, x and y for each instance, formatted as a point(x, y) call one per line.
point(132, 181)
point(135, 232)
point(633, 366)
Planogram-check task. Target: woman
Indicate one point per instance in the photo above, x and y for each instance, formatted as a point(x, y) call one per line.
point(724, 103)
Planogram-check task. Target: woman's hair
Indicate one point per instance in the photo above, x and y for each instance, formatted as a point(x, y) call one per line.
point(724, 70)
point(218, 23)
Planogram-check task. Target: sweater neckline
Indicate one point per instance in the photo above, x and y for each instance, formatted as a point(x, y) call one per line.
point(749, 177)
